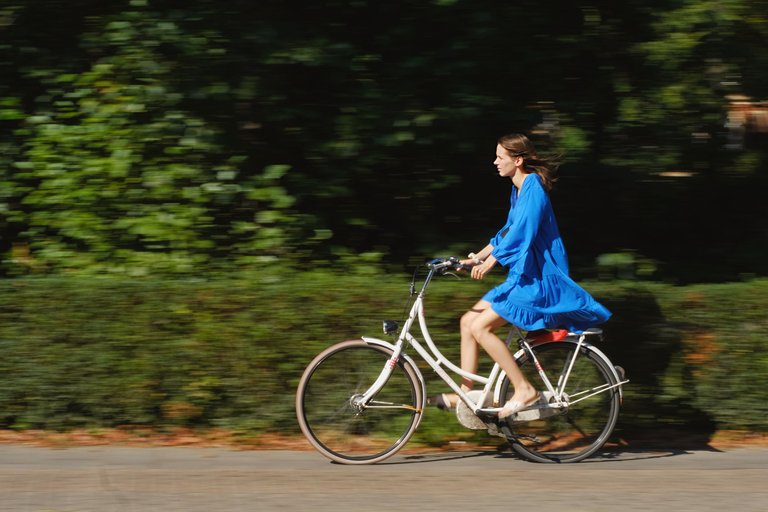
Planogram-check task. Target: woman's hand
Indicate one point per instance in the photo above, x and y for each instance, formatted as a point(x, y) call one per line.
point(479, 271)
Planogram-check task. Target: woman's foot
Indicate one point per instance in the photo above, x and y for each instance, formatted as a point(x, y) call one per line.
point(444, 401)
point(447, 401)
point(519, 403)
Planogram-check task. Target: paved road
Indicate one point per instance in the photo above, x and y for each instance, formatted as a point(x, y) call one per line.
point(106, 479)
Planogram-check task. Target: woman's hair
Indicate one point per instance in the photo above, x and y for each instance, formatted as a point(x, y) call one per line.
point(520, 145)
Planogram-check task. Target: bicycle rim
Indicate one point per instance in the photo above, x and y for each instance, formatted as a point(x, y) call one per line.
point(334, 426)
point(581, 429)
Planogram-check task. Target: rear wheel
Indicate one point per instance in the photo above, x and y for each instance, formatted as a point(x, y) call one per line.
point(344, 431)
point(580, 429)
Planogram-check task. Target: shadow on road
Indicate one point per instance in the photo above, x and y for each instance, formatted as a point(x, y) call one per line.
point(612, 455)
point(624, 455)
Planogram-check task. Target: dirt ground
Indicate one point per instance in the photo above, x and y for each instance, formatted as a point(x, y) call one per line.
point(221, 438)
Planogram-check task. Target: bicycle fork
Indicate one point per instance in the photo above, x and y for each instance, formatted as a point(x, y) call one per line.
point(362, 401)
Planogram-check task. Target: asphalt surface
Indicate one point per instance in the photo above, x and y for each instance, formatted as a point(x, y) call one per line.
point(215, 479)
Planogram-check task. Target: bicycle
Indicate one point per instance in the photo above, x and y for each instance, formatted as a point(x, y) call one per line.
point(360, 401)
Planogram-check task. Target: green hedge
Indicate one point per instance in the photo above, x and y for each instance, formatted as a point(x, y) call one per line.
point(228, 351)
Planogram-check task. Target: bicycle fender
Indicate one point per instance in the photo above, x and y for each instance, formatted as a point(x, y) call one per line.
point(406, 357)
point(608, 362)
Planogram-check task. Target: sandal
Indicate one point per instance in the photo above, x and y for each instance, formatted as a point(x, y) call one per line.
point(515, 406)
point(441, 401)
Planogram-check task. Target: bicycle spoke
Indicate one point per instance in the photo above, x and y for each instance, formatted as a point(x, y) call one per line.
point(575, 426)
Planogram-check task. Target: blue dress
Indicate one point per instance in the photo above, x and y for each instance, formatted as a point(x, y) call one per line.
point(538, 293)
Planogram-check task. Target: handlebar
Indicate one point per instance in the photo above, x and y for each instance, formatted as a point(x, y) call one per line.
point(438, 266)
point(442, 265)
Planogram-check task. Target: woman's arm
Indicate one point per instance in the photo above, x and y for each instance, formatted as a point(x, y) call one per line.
point(479, 271)
point(482, 255)
point(481, 263)
point(513, 249)
point(477, 259)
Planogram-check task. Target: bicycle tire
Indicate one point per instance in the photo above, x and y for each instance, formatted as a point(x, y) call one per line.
point(583, 427)
point(330, 422)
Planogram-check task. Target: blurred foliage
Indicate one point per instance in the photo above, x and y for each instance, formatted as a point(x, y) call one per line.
point(116, 173)
point(153, 136)
point(228, 352)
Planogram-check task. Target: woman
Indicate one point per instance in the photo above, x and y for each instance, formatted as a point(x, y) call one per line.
point(538, 294)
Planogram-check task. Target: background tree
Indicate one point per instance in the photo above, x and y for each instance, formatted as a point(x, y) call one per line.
point(150, 136)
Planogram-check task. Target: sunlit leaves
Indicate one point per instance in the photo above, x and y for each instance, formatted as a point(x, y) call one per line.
point(120, 176)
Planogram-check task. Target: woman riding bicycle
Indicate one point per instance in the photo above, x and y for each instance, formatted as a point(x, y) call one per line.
point(538, 294)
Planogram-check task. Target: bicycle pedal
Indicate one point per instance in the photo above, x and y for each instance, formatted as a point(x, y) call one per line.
point(493, 430)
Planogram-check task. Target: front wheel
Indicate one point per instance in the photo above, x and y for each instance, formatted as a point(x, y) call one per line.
point(575, 432)
point(340, 428)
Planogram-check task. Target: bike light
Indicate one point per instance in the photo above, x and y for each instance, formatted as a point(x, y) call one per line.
point(390, 327)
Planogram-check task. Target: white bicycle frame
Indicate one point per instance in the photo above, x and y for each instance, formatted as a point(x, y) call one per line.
point(492, 383)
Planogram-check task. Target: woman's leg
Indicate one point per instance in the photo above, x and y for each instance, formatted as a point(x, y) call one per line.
point(469, 350)
point(482, 330)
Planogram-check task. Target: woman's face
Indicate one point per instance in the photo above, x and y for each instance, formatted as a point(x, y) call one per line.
point(505, 163)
